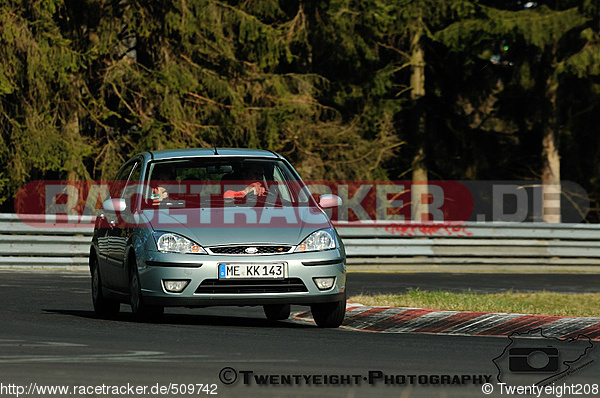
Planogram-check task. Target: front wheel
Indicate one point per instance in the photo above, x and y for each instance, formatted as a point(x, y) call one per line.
point(329, 315)
point(103, 307)
point(277, 312)
point(140, 310)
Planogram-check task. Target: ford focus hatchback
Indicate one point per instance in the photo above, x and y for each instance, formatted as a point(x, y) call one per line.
point(213, 227)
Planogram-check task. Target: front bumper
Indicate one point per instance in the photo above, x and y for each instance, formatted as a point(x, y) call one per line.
point(199, 269)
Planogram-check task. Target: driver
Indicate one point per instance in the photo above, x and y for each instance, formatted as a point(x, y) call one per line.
point(161, 177)
point(253, 173)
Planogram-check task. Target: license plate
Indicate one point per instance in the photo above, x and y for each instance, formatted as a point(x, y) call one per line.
point(252, 271)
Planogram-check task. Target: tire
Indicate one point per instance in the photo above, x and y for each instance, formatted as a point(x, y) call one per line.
point(329, 315)
point(103, 307)
point(277, 312)
point(141, 311)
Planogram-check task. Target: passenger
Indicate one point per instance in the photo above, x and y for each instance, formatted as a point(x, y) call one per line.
point(252, 173)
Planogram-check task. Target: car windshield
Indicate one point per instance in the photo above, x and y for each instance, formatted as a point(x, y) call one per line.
point(203, 182)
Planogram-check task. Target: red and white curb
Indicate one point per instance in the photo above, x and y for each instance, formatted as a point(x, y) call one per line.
point(419, 320)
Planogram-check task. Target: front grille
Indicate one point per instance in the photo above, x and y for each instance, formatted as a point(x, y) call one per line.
point(241, 249)
point(220, 286)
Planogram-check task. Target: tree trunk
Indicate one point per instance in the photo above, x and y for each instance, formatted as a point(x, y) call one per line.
point(551, 186)
point(419, 171)
point(71, 130)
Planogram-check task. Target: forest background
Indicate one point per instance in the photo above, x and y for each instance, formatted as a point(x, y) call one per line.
point(345, 89)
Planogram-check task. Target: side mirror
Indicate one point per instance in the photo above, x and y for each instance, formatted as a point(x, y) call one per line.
point(114, 205)
point(329, 200)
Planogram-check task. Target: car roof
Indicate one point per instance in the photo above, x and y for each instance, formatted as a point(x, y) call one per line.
point(210, 152)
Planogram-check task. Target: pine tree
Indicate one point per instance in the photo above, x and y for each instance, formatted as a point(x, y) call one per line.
point(41, 97)
point(229, 74)
point(395, 39)
point(542, 37)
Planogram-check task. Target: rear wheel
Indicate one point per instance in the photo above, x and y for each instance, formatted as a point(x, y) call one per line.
point(329, 315)
point(141, 311)
point(277, 312)
point(103, 307)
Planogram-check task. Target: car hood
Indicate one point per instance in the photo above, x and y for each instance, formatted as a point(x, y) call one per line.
point(239, 225)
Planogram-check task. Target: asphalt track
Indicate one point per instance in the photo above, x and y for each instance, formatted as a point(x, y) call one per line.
point(49, 336)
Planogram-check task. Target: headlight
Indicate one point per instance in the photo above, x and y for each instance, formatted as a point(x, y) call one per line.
point(173, 243)
point(317, 241)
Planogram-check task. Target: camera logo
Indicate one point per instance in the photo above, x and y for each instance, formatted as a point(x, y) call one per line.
point(533, 360)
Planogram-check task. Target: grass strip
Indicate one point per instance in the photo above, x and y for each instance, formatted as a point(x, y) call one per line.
point(543, 303)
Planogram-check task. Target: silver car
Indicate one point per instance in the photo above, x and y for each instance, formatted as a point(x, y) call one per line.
point(213, 227)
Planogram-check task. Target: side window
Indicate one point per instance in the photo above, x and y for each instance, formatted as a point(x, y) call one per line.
point(123, 174)
point(118, 184)
point(137, 173)
point(132, 182)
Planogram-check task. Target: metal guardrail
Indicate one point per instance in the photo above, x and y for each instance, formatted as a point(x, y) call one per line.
point(523, 247)
point(402, 246)
point(32, 241)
